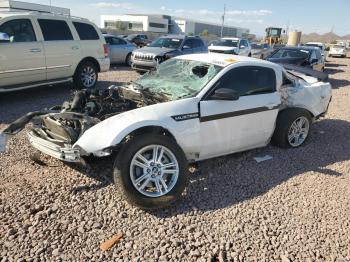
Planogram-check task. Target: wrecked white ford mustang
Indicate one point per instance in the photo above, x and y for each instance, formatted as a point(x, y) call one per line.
point(190, 108)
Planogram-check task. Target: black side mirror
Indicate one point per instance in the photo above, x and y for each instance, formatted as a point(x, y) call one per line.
point(225, 94)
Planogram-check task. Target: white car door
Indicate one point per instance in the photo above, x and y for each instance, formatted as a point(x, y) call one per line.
point(22, 58)
point(62, 51)
point(237, 125)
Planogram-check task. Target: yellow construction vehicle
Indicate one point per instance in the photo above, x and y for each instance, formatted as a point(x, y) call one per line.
point(273, 35)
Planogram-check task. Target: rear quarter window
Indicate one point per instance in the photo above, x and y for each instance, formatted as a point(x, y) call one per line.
point(55, 30)
point(86, 31)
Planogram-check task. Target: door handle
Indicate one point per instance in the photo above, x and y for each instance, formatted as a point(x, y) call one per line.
point(75, 47)
point(35, 50)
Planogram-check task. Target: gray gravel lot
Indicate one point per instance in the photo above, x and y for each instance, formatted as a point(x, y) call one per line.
point(295, 207)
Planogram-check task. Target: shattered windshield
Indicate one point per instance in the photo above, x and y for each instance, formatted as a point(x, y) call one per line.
point(177, 78)
point(226, 42)
point(167, 42)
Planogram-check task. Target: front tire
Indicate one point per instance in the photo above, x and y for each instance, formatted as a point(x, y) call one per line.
point(151, 171)
point(86, 75)
point(128, 60)
point(292, 128)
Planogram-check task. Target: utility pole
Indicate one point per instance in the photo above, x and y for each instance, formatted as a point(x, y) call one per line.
point(223, 21)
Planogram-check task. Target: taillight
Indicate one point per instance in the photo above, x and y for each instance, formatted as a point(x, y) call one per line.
point(105, 49)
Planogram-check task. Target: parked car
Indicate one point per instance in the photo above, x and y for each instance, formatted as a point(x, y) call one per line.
point(42, 48)
point(278, 46)
point(337, 50)
point(233, 46)
point(305, 56)
point(261, 51)
point(119, 49)
point(138, 39)
point(191, 108)
point(166, 47)
point(321, 46)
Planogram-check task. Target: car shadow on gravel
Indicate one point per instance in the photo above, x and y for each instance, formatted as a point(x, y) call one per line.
point(99, 169)
point(227, 181)
point(334, 65)
point(332, 71)
point(338, 83)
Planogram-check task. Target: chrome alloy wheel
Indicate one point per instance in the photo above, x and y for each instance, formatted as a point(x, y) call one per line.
point(88, 76)
point(298, 131)
point(154, 170)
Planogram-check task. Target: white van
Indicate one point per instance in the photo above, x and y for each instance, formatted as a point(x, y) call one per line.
point(41, 48)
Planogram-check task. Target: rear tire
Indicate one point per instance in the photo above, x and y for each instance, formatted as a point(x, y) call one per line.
point(292, 128)
point(86, 75)
point(151, 185)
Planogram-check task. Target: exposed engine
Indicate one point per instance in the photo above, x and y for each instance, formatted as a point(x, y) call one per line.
point(66, 123)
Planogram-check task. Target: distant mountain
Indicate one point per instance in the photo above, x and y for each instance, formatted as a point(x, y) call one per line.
point(325, 38)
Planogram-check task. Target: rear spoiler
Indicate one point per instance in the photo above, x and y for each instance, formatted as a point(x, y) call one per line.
point(321, 76)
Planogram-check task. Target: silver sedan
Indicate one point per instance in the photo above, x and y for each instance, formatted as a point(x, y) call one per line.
point(119, 49)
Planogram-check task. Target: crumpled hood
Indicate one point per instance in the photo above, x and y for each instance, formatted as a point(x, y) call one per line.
point(154, 51)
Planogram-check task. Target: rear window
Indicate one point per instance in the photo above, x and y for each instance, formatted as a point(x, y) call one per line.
point(226, 42)
point(86, 31)
point(55, 30)
point(291, 53)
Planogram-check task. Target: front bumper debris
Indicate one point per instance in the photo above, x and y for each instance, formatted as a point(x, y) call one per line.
point(66, 154)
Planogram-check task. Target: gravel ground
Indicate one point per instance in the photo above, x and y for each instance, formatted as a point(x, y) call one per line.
point(295, 207)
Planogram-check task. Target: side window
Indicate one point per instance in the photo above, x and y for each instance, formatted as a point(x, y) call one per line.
point(118, 41)
point(313, 55)
point(249, 80)
point(197, 43)
point(318, 55)
point(55, 30)
point(109, 40)
point(19, 30)
point(189, 43)
point(86, 31)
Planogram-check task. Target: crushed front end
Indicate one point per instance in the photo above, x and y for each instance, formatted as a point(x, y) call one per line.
point(55, 131)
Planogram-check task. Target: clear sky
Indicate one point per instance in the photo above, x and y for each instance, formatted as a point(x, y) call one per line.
point(320, 16)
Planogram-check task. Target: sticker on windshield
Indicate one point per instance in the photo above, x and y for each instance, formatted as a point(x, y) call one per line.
point(175, 40)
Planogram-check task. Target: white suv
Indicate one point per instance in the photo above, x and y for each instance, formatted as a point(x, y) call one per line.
point(38, 48)
point(232, 46)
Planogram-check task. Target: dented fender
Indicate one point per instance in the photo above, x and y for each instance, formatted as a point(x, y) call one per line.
point(112, 131)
